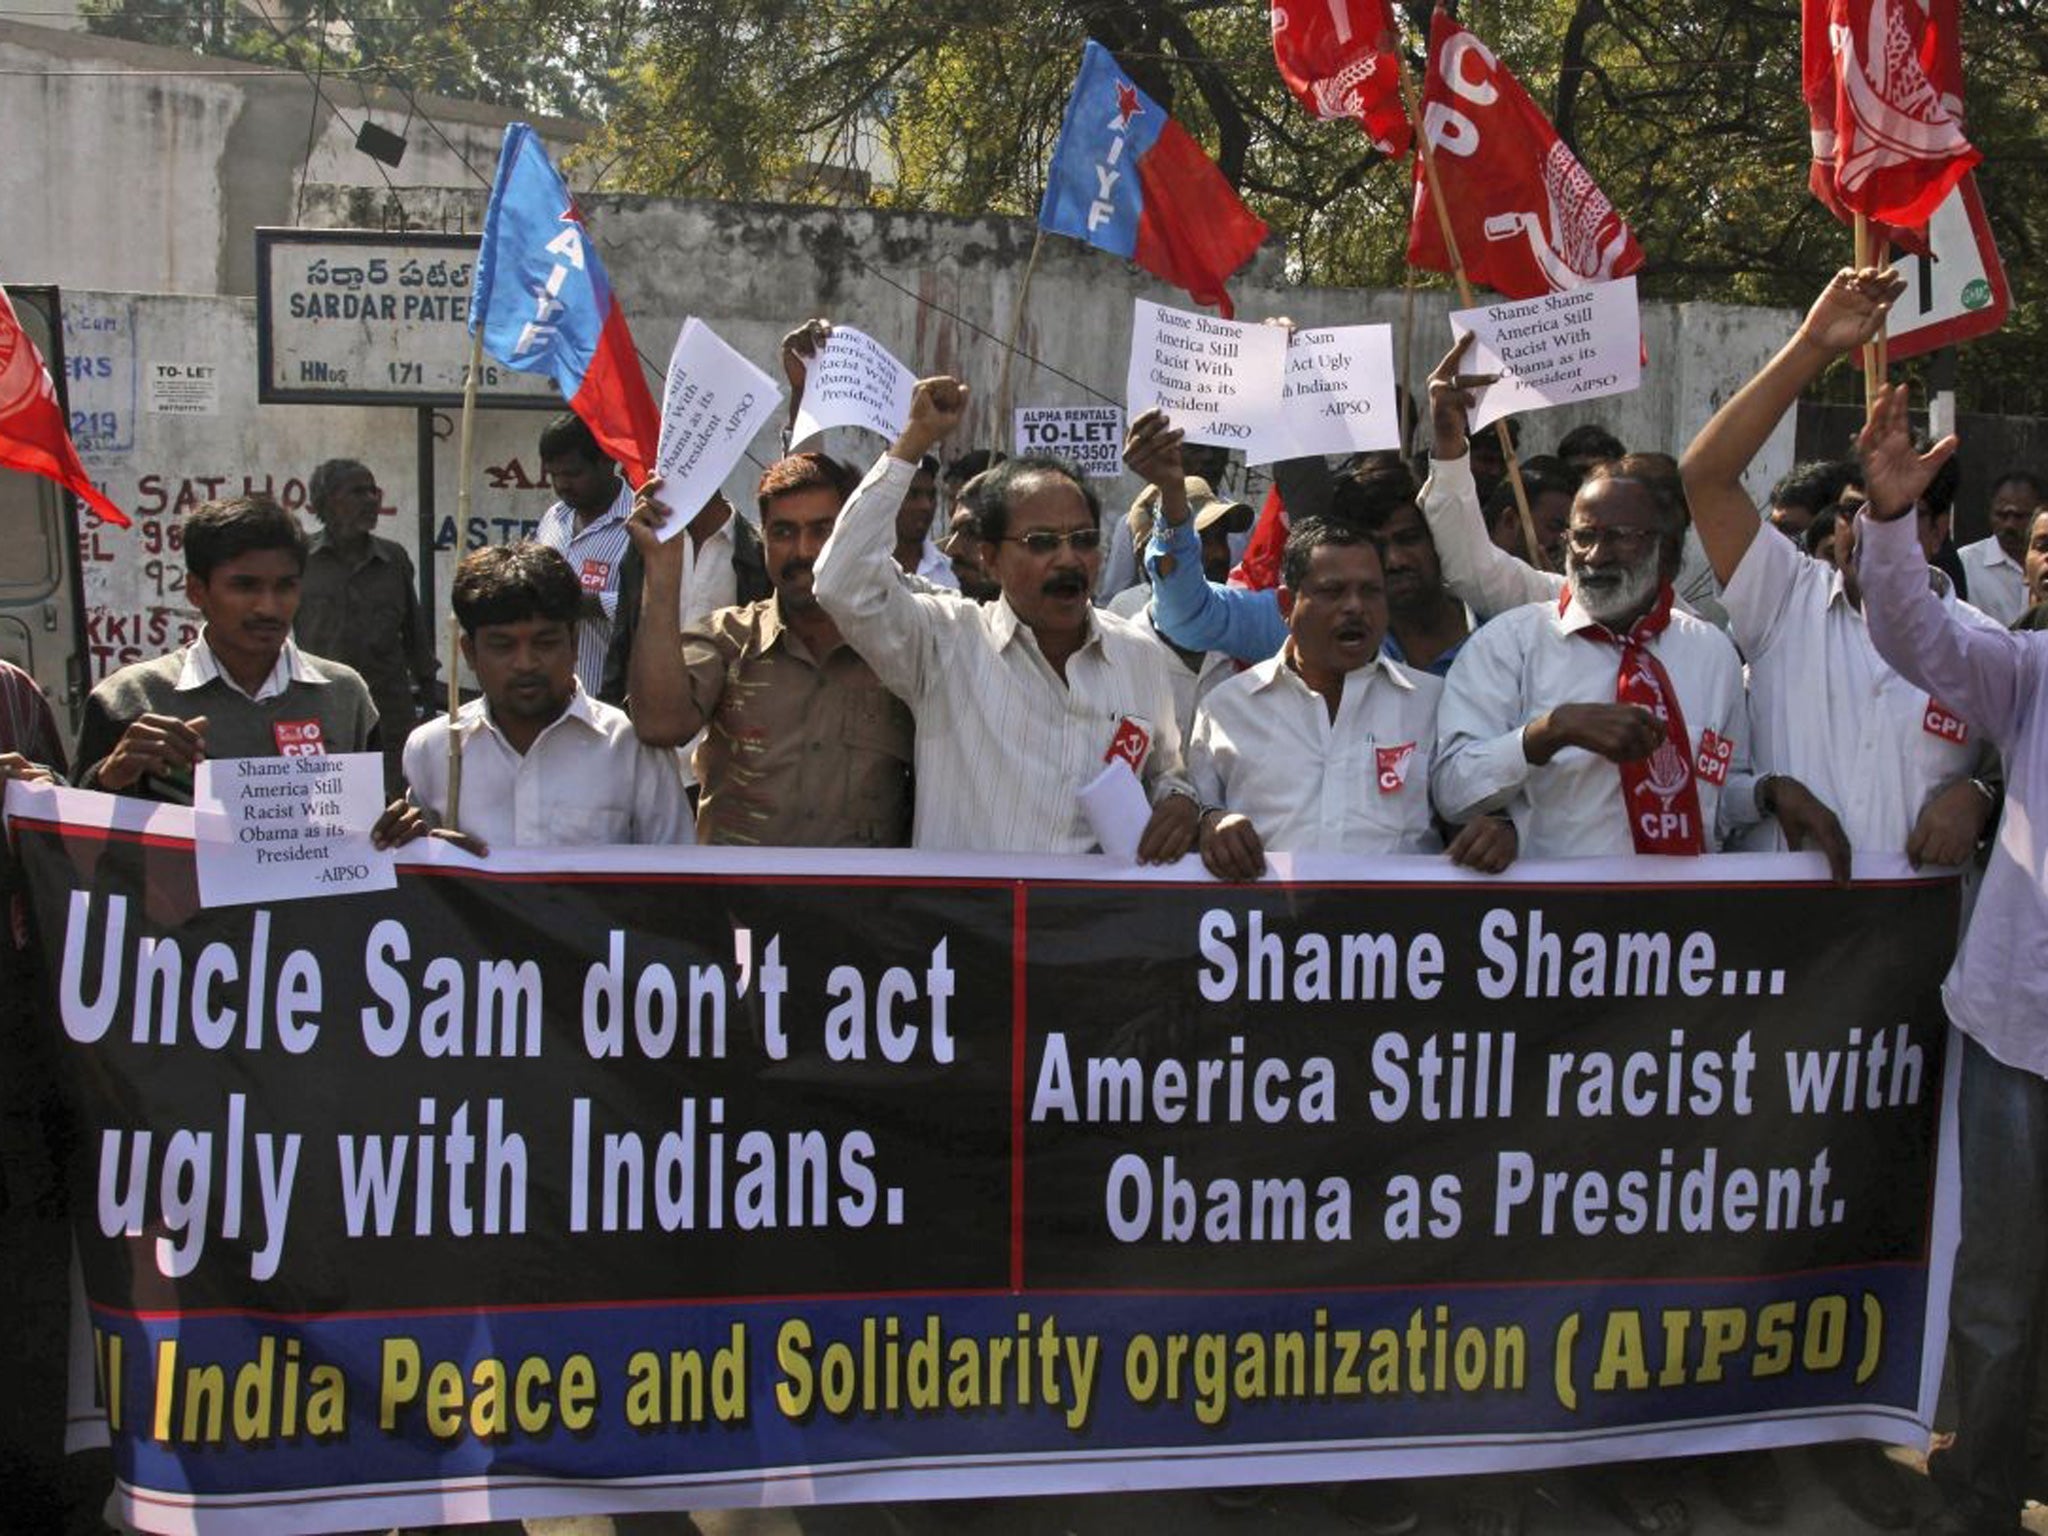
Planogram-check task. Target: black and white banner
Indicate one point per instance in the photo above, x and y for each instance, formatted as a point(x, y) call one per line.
point(631, 1178)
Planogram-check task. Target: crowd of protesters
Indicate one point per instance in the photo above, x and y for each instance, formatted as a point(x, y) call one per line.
point(1603, 653)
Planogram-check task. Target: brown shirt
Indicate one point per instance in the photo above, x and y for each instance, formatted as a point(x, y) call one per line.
point(367, 614)
point(796, 753)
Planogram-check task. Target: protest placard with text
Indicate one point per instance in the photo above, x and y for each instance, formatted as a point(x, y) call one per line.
point(854, 381)
point(1556, 350)
point(711, 407)
point(288, 827)
point(1219, 381)
point(1338, 396)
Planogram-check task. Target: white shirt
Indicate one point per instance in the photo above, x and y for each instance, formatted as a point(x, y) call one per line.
point(1998, 583)
point(1527, 662)
point(586, 779)
point(594, 553)
point(201, 667)
point(1190, 684)
point(1264, 745)
point(1825, 709)
point(1477, 571)
point(1003, 745)
point(936, 567)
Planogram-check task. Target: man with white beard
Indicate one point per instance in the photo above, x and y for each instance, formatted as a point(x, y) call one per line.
point(1605, 722)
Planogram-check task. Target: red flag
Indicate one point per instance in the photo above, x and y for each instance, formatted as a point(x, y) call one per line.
point(1528, 218)
point(1337, 57)
point(1884, 88)
point(1127, 178)
point(32, 434)
point(1258, 568)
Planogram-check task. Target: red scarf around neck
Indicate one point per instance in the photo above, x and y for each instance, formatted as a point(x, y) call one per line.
point(1659, 792)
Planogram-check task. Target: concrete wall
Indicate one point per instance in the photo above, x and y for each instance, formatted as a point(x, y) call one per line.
point(938, 291)
point(144, 169)
point(941, 291)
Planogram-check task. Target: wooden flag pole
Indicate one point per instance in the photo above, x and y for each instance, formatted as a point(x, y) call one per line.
point(1443, 221)
point(1407, 361)
point(1870, 252)
point(463, 480)
point(1002, 424)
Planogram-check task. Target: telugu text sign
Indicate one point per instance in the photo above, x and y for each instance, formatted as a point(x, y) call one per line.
point(356, 317)
point(1408, 1174)
point(1559, 349)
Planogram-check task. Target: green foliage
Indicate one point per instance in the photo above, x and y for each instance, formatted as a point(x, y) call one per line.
point(1688, 113)
point(518, 57)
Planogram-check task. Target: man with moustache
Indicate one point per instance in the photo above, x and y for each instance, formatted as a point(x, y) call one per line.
point(802, 747)
point(1995, 566)
point(1326, 746)
point(359, 603)
point(1020, 702)
point(543, 763)
point(1604, 722)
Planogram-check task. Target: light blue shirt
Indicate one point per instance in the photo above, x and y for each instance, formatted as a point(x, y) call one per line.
point(1196, 614)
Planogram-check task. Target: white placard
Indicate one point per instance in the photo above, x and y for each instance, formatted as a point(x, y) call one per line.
point(184, 389)
point(1339, 395)
point(711, 407)
point(283, 828)
point(1118, 812)
point(1090, 437)
point(1556, 350)
point(1218, 381)
point(854, 381)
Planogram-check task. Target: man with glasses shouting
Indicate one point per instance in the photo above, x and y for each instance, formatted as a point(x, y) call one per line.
point(1020, 702)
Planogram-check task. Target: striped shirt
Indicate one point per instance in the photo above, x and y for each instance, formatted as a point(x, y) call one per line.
point(1004, 746)
point(594, 553)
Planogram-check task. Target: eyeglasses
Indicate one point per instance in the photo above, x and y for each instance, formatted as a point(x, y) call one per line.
point(1584, 541)
point(1043, 541)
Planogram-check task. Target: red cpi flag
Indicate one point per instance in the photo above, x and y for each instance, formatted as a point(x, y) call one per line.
point(1884, 89)
point(1528, 218)
point(32, 434)
point(1337, 57)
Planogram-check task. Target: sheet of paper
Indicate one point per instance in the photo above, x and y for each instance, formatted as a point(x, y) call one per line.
point(854, 382)
point(1219, 381)
point(1557, 350)
point(285, 828)
point(1114, 803)
point(1338, 398)
point(711, 407)
point(1091, 437)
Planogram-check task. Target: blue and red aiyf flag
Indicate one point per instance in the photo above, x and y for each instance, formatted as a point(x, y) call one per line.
point(1126, 177)
point(546, 306)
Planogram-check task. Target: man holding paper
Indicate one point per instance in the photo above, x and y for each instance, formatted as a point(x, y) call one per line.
point(802, 745)
point(243, 688)
point(1020, 703)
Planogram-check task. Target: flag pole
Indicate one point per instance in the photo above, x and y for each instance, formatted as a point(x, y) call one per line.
point(463, 482)
point(1407, 361)
point(1443, 219)
point(1002, 427)
point(1871, 252)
